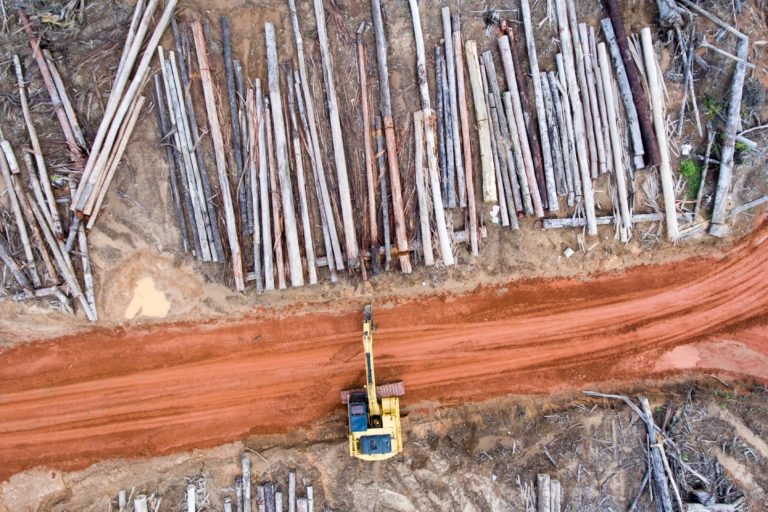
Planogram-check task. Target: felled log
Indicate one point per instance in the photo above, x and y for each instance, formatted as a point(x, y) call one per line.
point(45, 180)
point(219, 154)
point(318, 169)
point(301, 185)
point(458, 48)
point(658, 476)
point(281, 160)
point(501, 191)
point(622, 79)
point(572, 163)
point(562, 143)
point(291, 491)
point(578, 116)
point(554, 136)
point(337, 138)
point(659, 124)
point(6, 256)
point(543, 501)
point(274, 197)
point(421, 189)
point(571, 222)
point(583, 87)
point(483, 127)
point(519, 130)
point(650, 144)
point(597, 72)
point(526, 178)
point(525, 11)
point(383, 192)
point(589, 71)
point(368, 149)
point(385, 106)
point(252, 167)
point(443, 236)
point(450, 63)
point(625, 226)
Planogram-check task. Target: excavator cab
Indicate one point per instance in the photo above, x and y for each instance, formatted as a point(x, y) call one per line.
point(373, 412)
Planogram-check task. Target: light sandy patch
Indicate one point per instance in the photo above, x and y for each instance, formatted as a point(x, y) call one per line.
point(147, 300)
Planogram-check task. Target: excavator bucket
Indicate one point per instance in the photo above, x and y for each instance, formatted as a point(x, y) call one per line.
point(382, 391)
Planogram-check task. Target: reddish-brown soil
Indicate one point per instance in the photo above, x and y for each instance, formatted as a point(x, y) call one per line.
point(146, 391)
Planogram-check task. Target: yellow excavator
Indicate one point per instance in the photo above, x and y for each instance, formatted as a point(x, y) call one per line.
point(373, 412)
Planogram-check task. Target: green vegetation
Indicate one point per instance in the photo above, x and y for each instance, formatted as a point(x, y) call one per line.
point(691, 172)
point(712, 107)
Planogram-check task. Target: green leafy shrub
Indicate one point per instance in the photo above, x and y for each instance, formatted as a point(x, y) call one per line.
point(691, 172)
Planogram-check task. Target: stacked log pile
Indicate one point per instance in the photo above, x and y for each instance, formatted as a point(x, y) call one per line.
point(246, 494)
point(277, 210)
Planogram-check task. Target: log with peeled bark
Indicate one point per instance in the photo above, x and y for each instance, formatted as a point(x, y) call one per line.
point(543, 501)
point(466, 150)
point(578, 116)
point(554, 136)
point(450, 68)
point(119, 104)
point(281, 160)
point(368, 149)
point(530, 122)
point(421, 189)
point(483, 124)
point(622, 79)
point(14, 201)
point(657, 102)
point(383, 192)
point(625, 225)
point(313, 141)
point(219, 154)
point(571, 162)
point(443, 235)
point(650, 144)
point(337, 138)
point(301, 185)
point(589, 71)
point(274, 196)
point(264, 194)
point(498, 164)
point(517, 119)
point(254, 127)
point(562, 143)
point(507, 152)
point(43, 178)
point(385, 106)
point(597, 72)
point(583, 87)
point(718, 227)
point(525, 11)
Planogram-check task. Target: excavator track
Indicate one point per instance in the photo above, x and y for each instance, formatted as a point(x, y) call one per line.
point(382, 391)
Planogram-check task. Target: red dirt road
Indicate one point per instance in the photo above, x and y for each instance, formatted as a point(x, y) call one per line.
point(147, 391)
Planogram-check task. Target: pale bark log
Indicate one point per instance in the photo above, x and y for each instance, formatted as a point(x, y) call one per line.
point(350, 237)
point(571, 162)
point(483, 128)
point(87, 274)
point(443, 236)
point(578, 117)
point(526, 177)
point(525, 10)
point(594, 107)
point(266, 229)
point(281, 159)
point(401, 237)
point(77, 132)
point(554, 136)
point(99, 156)
point(301, 185)
point(314, 142)
point(114, 161)
point(562, 143)
point(291, 491)
point(421, 189)
point(583, 87)
point(662, 499)
point(598, 74)
point(519, 134)
point(274, 195)
point(733, 122)
point(497, 161)
point(219, 154)
point(543, 502)
point(458, 48)
point(44, 179)
point(657, 102)
point(622, 80)
point(625, 227)
point(5, 159)
point(254, 127)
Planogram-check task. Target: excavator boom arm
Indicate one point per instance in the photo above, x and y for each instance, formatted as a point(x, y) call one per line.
point(374, 408)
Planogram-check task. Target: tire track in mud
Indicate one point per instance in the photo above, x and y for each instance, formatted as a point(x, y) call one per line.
point(152, 390)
